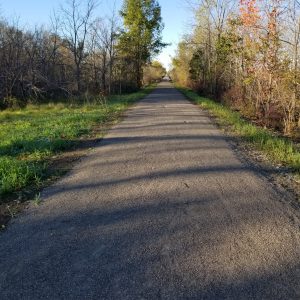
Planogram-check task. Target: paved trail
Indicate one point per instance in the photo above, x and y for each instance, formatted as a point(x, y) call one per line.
point(162, 208)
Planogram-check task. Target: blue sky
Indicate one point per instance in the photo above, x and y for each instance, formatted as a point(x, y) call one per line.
point(36, 12)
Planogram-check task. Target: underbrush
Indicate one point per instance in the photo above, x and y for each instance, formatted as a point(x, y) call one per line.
point(279, 149)
point(30, 136)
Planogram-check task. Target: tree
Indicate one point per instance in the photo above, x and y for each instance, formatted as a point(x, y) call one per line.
point(247, 57)
point(153, 72)
point(76, 22)
point(79, 53)
point(141, 37)
point(181, 63)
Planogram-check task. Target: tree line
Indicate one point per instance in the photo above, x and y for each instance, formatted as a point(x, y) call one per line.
point(81, 54)
point(246, 54)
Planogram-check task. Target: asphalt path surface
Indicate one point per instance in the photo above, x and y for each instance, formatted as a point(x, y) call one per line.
point(162, 208)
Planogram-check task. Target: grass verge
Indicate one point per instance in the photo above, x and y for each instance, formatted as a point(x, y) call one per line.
point(29, 137)
point(278, 149)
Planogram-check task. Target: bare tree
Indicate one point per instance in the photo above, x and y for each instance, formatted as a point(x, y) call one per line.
point(76, 25)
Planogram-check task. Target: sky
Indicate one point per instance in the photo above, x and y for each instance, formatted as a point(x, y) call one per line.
point(175, 16)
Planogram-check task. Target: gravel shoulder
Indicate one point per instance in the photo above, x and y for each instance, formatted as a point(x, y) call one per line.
point(161, 208)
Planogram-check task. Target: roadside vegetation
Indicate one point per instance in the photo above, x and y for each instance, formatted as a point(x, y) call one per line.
point(245, 54)
point(30, 136)
point(79, 53)
point(278, 149)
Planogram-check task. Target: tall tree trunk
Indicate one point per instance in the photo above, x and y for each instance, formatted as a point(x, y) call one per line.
point(78, 79)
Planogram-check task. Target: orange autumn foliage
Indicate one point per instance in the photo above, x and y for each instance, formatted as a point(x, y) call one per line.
point(249, 13)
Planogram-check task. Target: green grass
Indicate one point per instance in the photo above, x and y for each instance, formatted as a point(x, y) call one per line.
point(30, 136)
point(277, 149)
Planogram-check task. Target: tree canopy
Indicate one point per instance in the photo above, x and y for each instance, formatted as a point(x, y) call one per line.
point(246, 54)
point(141, 37)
